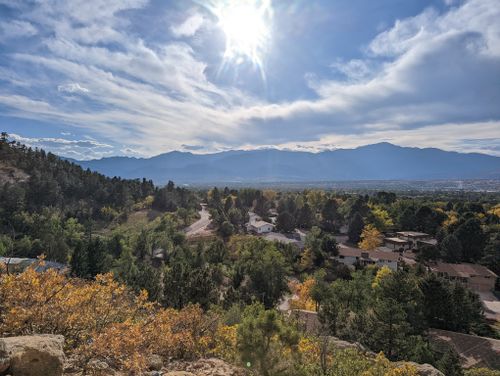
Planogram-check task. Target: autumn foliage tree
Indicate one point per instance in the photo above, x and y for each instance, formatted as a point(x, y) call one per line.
point(371, 238)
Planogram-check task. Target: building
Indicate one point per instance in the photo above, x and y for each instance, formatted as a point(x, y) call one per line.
point(406, 240)
point(476, 277)
point(294, 239)
point(353, 256)
point(474, 351)
point(397, 244)
point(260, 227)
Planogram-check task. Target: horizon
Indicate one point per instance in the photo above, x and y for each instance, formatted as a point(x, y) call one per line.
point(142, 78)
point(277, 149)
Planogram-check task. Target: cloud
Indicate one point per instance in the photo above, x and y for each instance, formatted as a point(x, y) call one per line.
point(16, 29)
point(192, 147)
point(80, 149)
point(424, 76)
point(72, 88)
point(189, 27)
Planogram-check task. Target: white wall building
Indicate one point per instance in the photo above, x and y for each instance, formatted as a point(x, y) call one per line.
point(261, 227)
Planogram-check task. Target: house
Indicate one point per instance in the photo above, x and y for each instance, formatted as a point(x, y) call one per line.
point(352, 256)
point(474, 351)
point(285, 239)
point(260, 227)
point(397, 244)
point(476, 277)
point(405, 240)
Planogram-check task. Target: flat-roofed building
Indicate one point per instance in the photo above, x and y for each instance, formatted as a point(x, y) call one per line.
point(476, 277)
point(397, 244)
point(404, 240)
point(352, 256)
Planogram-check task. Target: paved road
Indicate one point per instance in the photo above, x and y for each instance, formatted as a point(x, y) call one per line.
point(200, 226)
point(491, 305)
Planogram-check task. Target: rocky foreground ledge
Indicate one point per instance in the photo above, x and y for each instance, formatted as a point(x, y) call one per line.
point(43, 355)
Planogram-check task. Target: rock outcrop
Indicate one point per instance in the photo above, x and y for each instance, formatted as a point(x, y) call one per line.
point(203, 367)
point(426, 370)
point(32, 355)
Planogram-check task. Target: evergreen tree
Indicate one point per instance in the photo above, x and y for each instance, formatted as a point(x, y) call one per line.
point(451, 249)
point(79, 261)
point(449, 364)
point(472, 238)
point(355, 228)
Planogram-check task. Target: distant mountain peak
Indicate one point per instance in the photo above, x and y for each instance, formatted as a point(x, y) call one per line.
point(381, 161)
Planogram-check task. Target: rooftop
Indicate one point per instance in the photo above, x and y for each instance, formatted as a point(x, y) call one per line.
point(464, 270)
point(474, 351)
point(261, 223)
point(396, 240)
point(412, 234)
point(374, 254)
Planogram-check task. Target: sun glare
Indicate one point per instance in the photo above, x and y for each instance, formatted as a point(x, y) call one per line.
point(246, 25)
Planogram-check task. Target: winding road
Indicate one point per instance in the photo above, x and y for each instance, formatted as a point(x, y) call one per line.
point(200, 226)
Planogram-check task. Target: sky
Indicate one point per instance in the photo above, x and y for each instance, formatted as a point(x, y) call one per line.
point(95, 78)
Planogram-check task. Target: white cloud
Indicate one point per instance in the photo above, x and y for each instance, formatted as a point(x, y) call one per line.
point(189, 27)
point(425, 76)
point(16, 29)
point(72, 88)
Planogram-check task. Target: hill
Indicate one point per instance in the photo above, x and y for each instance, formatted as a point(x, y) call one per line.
point(381, 161)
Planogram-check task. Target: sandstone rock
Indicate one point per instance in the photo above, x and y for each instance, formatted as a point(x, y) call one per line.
point(33, 355)
point(155, 363)
point(4, 358)
point(100, 368)
point(203, 367)
point(426, 370)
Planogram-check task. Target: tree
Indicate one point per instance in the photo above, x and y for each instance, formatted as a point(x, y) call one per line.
point(285, 222)
point(306, 217)
point(97, 257)
point(472, 238)
point(226, 229)
point(329, 245)
point(79, 261)
point(330, 215)
point(355, 228)
point(263, 341)
point(449, 364)
point(451, 249)
point(389, 327)
point(261, 270)
point(228, 203)
point(491, 258)
point(371, 238)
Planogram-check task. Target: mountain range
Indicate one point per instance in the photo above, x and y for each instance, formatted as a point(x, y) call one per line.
point(382, 161)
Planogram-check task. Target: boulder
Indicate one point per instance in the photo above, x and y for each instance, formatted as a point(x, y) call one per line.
point(426, 369)
point(99, 368)
point(155, 363)
point(179, 373)
point(32, 355)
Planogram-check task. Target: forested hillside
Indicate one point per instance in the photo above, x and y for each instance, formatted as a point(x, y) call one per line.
point(47, 204)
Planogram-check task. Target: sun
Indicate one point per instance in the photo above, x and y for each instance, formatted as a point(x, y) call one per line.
point(246, 25)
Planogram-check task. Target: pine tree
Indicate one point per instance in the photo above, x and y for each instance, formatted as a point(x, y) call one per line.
point(79, 261)
point(449, 364)
point(355, 228)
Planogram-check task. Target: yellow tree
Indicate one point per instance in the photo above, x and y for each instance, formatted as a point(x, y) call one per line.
point(371, 238)
point(383, 272)
point(303, 292)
